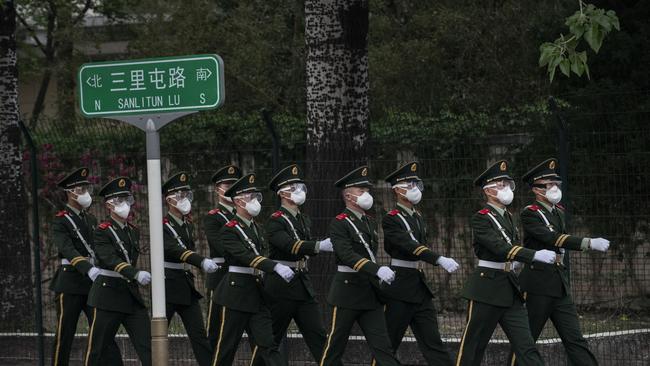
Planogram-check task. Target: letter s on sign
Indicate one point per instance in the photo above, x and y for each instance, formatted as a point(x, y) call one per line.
point(202, 96)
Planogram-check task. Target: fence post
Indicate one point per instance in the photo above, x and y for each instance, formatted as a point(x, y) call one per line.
point(563, 157)
point(38, 294)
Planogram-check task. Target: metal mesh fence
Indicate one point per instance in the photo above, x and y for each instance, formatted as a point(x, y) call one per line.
point(608, 195)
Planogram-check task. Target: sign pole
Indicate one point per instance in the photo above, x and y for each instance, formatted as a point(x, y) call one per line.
point(149, 94)
point(159, 342)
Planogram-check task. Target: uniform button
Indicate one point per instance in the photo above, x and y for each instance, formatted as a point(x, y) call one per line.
point(346, 281)
point(232, 283)
point(65, 269)
point(482, 274)
point(257, 280)
point(104, 284)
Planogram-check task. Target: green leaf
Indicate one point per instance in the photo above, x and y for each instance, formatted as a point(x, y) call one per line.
point(582, 56)
point(615, 23)
point(565, 67)
point(604, 22)
point(587, 70)
point(594, 38)
point(546, 54)
point(551, 74)
point(576, 66)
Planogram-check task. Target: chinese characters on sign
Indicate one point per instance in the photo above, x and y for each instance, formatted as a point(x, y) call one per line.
point(151, 86)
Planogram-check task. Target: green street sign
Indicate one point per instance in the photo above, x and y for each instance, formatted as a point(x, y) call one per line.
point(151, 86)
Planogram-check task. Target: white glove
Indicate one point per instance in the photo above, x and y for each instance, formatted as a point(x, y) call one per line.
point(544, 256)
point(385, 274)
point(284, 271)
point(93, 272)
point(143, 277)
point(209, 266)
point(325, 245)
point(599, 244)
point(448, 264)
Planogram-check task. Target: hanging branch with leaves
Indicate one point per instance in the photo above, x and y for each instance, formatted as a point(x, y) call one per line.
point(590, 24)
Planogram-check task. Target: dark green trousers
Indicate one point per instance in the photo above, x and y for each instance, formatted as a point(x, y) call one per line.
point(104, 326)
point(423, 321)
point(257, 325)
point(482, 319)
point(562, 312)
point(213, 325)
point(193, 322)
point(308, 318)
point(68, 309)
point(373, 326)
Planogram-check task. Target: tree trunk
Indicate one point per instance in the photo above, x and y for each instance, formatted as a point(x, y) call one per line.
point(15, 271)
point(336, 34)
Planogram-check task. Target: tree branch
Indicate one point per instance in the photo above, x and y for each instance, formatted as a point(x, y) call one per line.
point(32, 32)
point(81, 15)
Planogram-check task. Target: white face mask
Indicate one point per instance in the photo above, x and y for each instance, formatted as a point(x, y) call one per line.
point(184, 206)
point(84, 200)
point(414, 195)
point(122, 210)
point(505, 195)
point(253, 207)
point(221, 192)
point(554, 195)
point(364, 201)
point(298, 197)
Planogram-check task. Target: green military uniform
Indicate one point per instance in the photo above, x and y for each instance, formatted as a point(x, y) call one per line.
point(547, 287)
point(290, 243)
point(354, 292)
point(180, 294)
point(493, 289)
point(409, 297)
point(72, 234)
point(241, 294)
point(213, 222)
point(114, 294)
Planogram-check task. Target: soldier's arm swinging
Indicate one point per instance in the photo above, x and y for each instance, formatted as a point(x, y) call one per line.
point(61, 235)
point(107, 254)
point(535, 227)
point(397, 234)
point(343, 249)
point(490, 238)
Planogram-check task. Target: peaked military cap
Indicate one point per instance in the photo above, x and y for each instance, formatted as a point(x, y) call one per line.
point(356, 178)
point(117, 187)
point(288, 175)
point(245, 184)
point(547, 169)
point(76, 178)
point(497, 171)
point(404, 173)
point(177, 182)
point(228, 173)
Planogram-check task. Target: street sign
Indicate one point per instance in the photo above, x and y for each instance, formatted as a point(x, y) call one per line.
point(151, 86)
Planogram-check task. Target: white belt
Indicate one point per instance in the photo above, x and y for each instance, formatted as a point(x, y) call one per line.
point(345, 269)
point(173, 265)
point(504, 266)
point(238, 269)
point(403, 263)
point(108, 273)
point(302, 264)
point(219, 260)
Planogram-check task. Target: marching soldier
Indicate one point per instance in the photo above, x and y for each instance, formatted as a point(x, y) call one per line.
point(213, 222)
point(181, 295)
point(72, 233)
point(354, 292)
point(410, 295)
point(547, 288)
point(240, 294)
point(114, 294)
point(493, 288)
point(290, 243)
